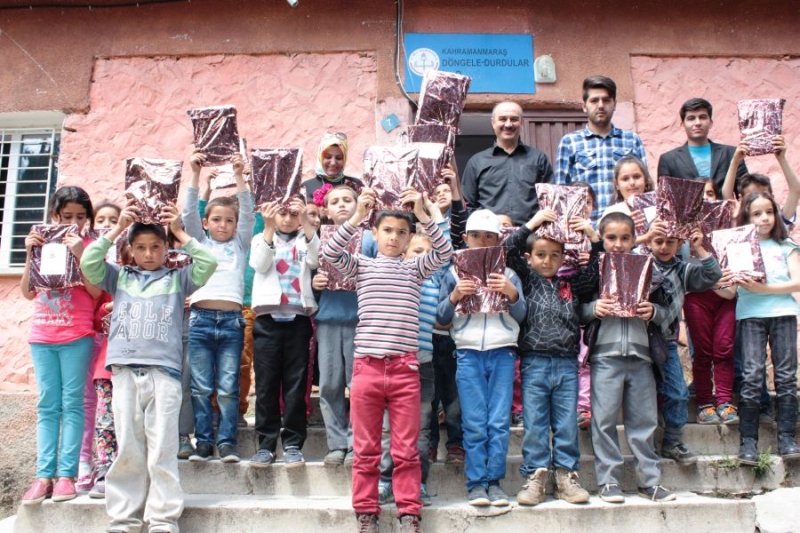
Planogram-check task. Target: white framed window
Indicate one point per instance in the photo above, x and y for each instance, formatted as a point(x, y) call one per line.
point(29, 147)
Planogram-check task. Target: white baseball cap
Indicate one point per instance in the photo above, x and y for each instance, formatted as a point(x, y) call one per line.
point(483, 220)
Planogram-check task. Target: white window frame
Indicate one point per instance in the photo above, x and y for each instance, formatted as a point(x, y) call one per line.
point(17, 125)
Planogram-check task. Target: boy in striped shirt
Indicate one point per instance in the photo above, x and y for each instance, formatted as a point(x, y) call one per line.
point(386, 370)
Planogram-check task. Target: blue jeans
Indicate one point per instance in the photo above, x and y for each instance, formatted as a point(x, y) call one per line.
point(675, 396)
point(485, 387)
point(781, 334)
point(764, 399)
point(549, 400)
point(60, 371)
point(216, 339)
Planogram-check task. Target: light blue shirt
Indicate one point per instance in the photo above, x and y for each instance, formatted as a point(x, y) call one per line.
point(760, 305)
point(701, 155)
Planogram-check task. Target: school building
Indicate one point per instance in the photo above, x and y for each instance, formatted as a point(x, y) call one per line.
point(84, 84)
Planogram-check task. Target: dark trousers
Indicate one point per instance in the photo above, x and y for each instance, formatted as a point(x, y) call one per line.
point(445, 391)
point(280, 362)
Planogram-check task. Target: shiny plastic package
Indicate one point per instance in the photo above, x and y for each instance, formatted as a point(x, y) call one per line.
point(567, 202)
point(717, 215)
point(760, 121)
point(389, 171)
point(336, 281)
point(431, 160)
point(739, 250)
point(476, 264)
point(225, 178)
point(442, 98)
point(177, 259)
point(679, 204)
point(572, 253)
point(216, 133)
point(152, 184)
point(277, 175)
point(643, 210)
point(433, 133)
point(53, 265)
point(625, 278)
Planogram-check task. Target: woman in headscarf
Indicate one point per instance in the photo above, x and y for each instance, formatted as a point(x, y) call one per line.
point(329, 167)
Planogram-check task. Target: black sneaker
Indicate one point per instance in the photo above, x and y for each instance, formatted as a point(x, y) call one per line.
point(611, 493)
point(202, 452)
point(497, 497)
point(679, 453)
point(478, 496)
point(293, 457)
point(227, 453)
point(517, 420)
point(262, 459)
point(656, 493)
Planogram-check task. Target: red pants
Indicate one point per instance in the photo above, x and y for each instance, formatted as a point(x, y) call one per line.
point(711, 320)
point(391, 383)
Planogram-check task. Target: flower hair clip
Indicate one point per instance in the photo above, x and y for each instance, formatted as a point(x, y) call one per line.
point(319, 195)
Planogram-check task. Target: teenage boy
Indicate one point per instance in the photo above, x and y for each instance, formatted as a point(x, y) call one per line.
point(216, 323)
point(385, 368)
point(485, 350)
point(699, 157)
point(145, 355)
point(549, 347)
point(683, 277)
point(622, 376)
point(591, 153)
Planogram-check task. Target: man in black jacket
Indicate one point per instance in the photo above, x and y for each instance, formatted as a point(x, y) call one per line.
point(699, 157)
point(502, 178)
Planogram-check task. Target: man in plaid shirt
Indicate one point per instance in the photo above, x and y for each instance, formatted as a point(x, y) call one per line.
point(590, 154)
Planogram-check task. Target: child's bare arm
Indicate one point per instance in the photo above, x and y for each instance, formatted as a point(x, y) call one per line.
point(729, 185)
point(793, 184)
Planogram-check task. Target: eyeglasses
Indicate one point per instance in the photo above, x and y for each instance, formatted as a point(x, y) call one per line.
point(339, 135)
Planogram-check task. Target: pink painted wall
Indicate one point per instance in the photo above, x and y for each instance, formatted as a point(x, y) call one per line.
point(137, 107)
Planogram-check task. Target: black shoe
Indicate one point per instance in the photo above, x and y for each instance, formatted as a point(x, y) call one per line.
point(656, 493)
point(517, 420)
point(787, 424)
point(227, 453)
point(262, 459)
point(679, 453)
point(202, 452)
point(748, 433)
point(748, 452)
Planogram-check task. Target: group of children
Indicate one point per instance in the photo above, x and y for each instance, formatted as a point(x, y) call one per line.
point(390, 341)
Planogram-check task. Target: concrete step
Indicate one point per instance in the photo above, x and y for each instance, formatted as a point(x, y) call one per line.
point(713, 474)
point(708, 440)
point(254, 514)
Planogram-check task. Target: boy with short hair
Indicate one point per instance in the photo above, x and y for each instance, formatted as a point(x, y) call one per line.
point(145, 356)
point(683, 277)
point(283, 256)
point(385, 369)
point(216, 323)
point(549, 347)
point(485, 349)
point(623, 376)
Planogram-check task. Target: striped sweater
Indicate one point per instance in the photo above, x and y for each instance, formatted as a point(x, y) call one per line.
point(388, 291)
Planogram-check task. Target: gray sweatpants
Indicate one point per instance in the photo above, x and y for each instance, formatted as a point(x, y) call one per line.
point(626, 382)
point(335, 343)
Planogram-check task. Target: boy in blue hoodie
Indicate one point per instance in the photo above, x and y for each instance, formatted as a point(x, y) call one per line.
point(145, 355)
point(485, 349)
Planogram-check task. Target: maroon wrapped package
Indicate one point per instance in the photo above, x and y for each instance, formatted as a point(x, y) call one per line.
point(224, 177)
point(760, 121)
point(177, 259)
point(277, 175)
point(476, 264)
point(442, 98)
point(567, 202)
point(152, 184)
point(739, 250)
point(105, 325)
point(505, 233)
point(433, 133)
point(431, 160)
point(679, 204)
point(717, 214)
point(215, 133)
point(625, 278)
point(572, 253)
point(336, 281)
point(643, 210)
point(389, 171)
point(123, 255)
point(53, 265)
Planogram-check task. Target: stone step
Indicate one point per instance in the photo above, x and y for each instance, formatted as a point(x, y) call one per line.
point(254, 514)
point(701, 439)
point(713, 474)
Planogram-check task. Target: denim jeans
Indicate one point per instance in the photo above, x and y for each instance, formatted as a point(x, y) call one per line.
point(764, 399)
point(485, 387)
point(549, 401)
point(60, 371)
point(445, 392)
point(386, 383)
point(423, 442)
point(675, 396)
point(215, 352)
point(781, 333)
